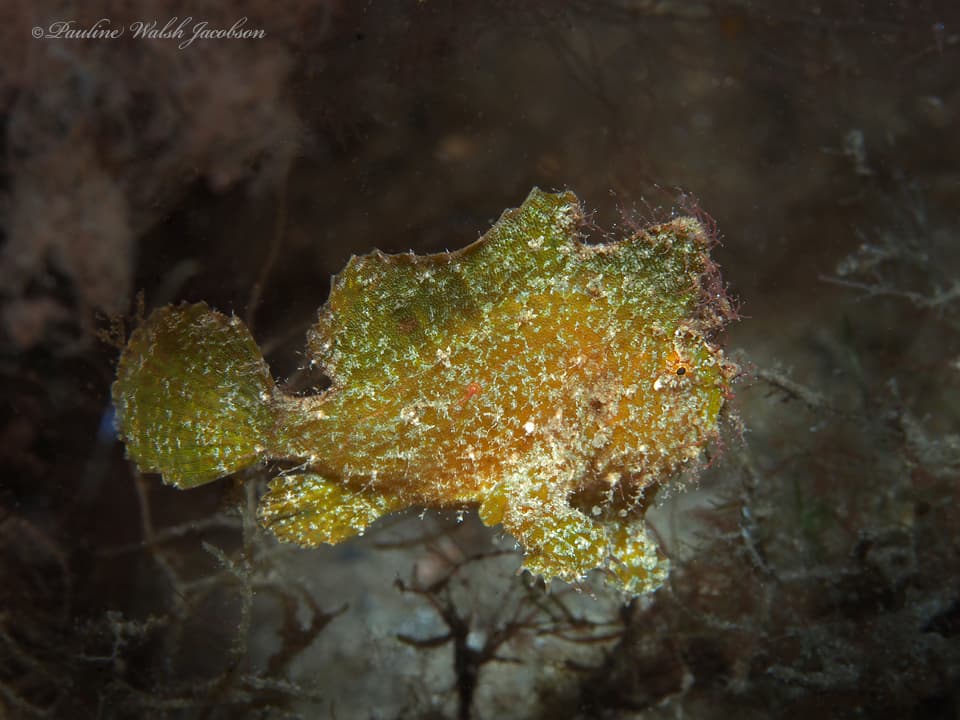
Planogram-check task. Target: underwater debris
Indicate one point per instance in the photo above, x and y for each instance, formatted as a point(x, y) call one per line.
point(553, 383)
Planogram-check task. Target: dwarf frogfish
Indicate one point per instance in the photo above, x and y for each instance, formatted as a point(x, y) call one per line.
point(551, 383)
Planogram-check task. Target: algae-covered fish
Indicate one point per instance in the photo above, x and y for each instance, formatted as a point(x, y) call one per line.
point(555, 384)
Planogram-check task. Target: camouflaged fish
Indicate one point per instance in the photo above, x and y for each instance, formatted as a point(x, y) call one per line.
point(552, 383)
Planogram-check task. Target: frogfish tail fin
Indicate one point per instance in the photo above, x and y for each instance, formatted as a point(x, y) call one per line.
point(192, 396)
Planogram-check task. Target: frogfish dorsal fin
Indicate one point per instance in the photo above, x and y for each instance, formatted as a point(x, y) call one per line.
point(384, 311)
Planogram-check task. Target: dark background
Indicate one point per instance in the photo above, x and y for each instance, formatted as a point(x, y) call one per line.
point(816, 561)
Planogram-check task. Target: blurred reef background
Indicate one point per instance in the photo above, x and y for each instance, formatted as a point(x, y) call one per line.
point(817, 562)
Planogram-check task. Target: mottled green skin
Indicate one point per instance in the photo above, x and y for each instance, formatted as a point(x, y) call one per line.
point(386, 311)
point(555, 384)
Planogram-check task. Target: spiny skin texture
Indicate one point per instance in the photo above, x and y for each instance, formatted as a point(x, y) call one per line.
point(555, 384)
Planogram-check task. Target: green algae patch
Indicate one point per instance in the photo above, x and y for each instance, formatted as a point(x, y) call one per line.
point(555, 384)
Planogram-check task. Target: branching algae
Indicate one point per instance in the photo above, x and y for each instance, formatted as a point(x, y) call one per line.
point(555, 384)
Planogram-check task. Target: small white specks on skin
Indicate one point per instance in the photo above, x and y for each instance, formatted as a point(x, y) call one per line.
point(529, 427)
point(410, 415)
point(658, 384)
point(443, 356)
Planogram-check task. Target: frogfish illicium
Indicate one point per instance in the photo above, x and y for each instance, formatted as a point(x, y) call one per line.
point(551, 383)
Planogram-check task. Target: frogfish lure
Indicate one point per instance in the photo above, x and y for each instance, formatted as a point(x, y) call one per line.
point(552, 383)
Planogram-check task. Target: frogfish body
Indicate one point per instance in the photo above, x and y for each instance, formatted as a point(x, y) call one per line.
point(554, 384)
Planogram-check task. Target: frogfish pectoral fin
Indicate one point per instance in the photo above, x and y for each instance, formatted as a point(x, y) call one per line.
point(560, 541)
